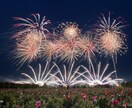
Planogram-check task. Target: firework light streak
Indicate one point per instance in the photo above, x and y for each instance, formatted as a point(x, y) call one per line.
point(93, 78)
point(42, 77)
point(69, 78)
point(29, 24)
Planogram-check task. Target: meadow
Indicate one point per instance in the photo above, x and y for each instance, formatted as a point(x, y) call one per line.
point(60, 97)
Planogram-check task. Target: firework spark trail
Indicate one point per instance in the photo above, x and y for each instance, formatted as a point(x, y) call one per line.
point(29, 24)
point(98, 78)
point(69, 78)
point(42, 77)
point(111, 38)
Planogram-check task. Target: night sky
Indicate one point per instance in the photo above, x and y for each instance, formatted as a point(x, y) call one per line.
point(83, 12)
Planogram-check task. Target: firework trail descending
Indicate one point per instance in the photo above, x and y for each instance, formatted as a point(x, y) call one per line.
point(69, 78)
point(111, 38)
point(42, 77)
point(93, 78)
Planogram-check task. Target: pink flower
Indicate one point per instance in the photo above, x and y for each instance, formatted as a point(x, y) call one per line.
point(94, 98)
point(115, 102)
point(83, 95)
point(126, 105)
point(38, 104)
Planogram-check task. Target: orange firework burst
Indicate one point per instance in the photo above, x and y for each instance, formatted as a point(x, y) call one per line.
point(69, 30)
point(52, 49)
point(111, 43)
point(28, 47)
point(29, 25)
point(112, 39)
point(70, 50)
point(87, 46)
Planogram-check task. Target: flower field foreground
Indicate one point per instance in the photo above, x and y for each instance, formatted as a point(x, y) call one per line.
point(66, 98)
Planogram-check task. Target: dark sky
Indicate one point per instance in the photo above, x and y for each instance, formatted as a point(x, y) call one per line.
point(83, 12)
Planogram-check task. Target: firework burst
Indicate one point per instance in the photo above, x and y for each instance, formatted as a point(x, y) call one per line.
point(70, 76)
point(42, 77)
point(70, 50)
point(93, 78)
point(69, 30)
point(111, 37)
point(52, 49)
point(111, 44)
point(87, 46)
point(28, 48)
point(29, 25)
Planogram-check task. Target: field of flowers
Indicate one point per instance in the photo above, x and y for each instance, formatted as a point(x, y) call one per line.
point(97, 97)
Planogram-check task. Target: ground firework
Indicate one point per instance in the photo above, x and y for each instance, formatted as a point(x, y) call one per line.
point(93, 77)
point(42, 77)
point(69, 77)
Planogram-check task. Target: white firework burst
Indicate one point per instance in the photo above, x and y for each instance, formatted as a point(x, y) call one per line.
point(70, 76)
point(99, 77)
point(42, 77)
